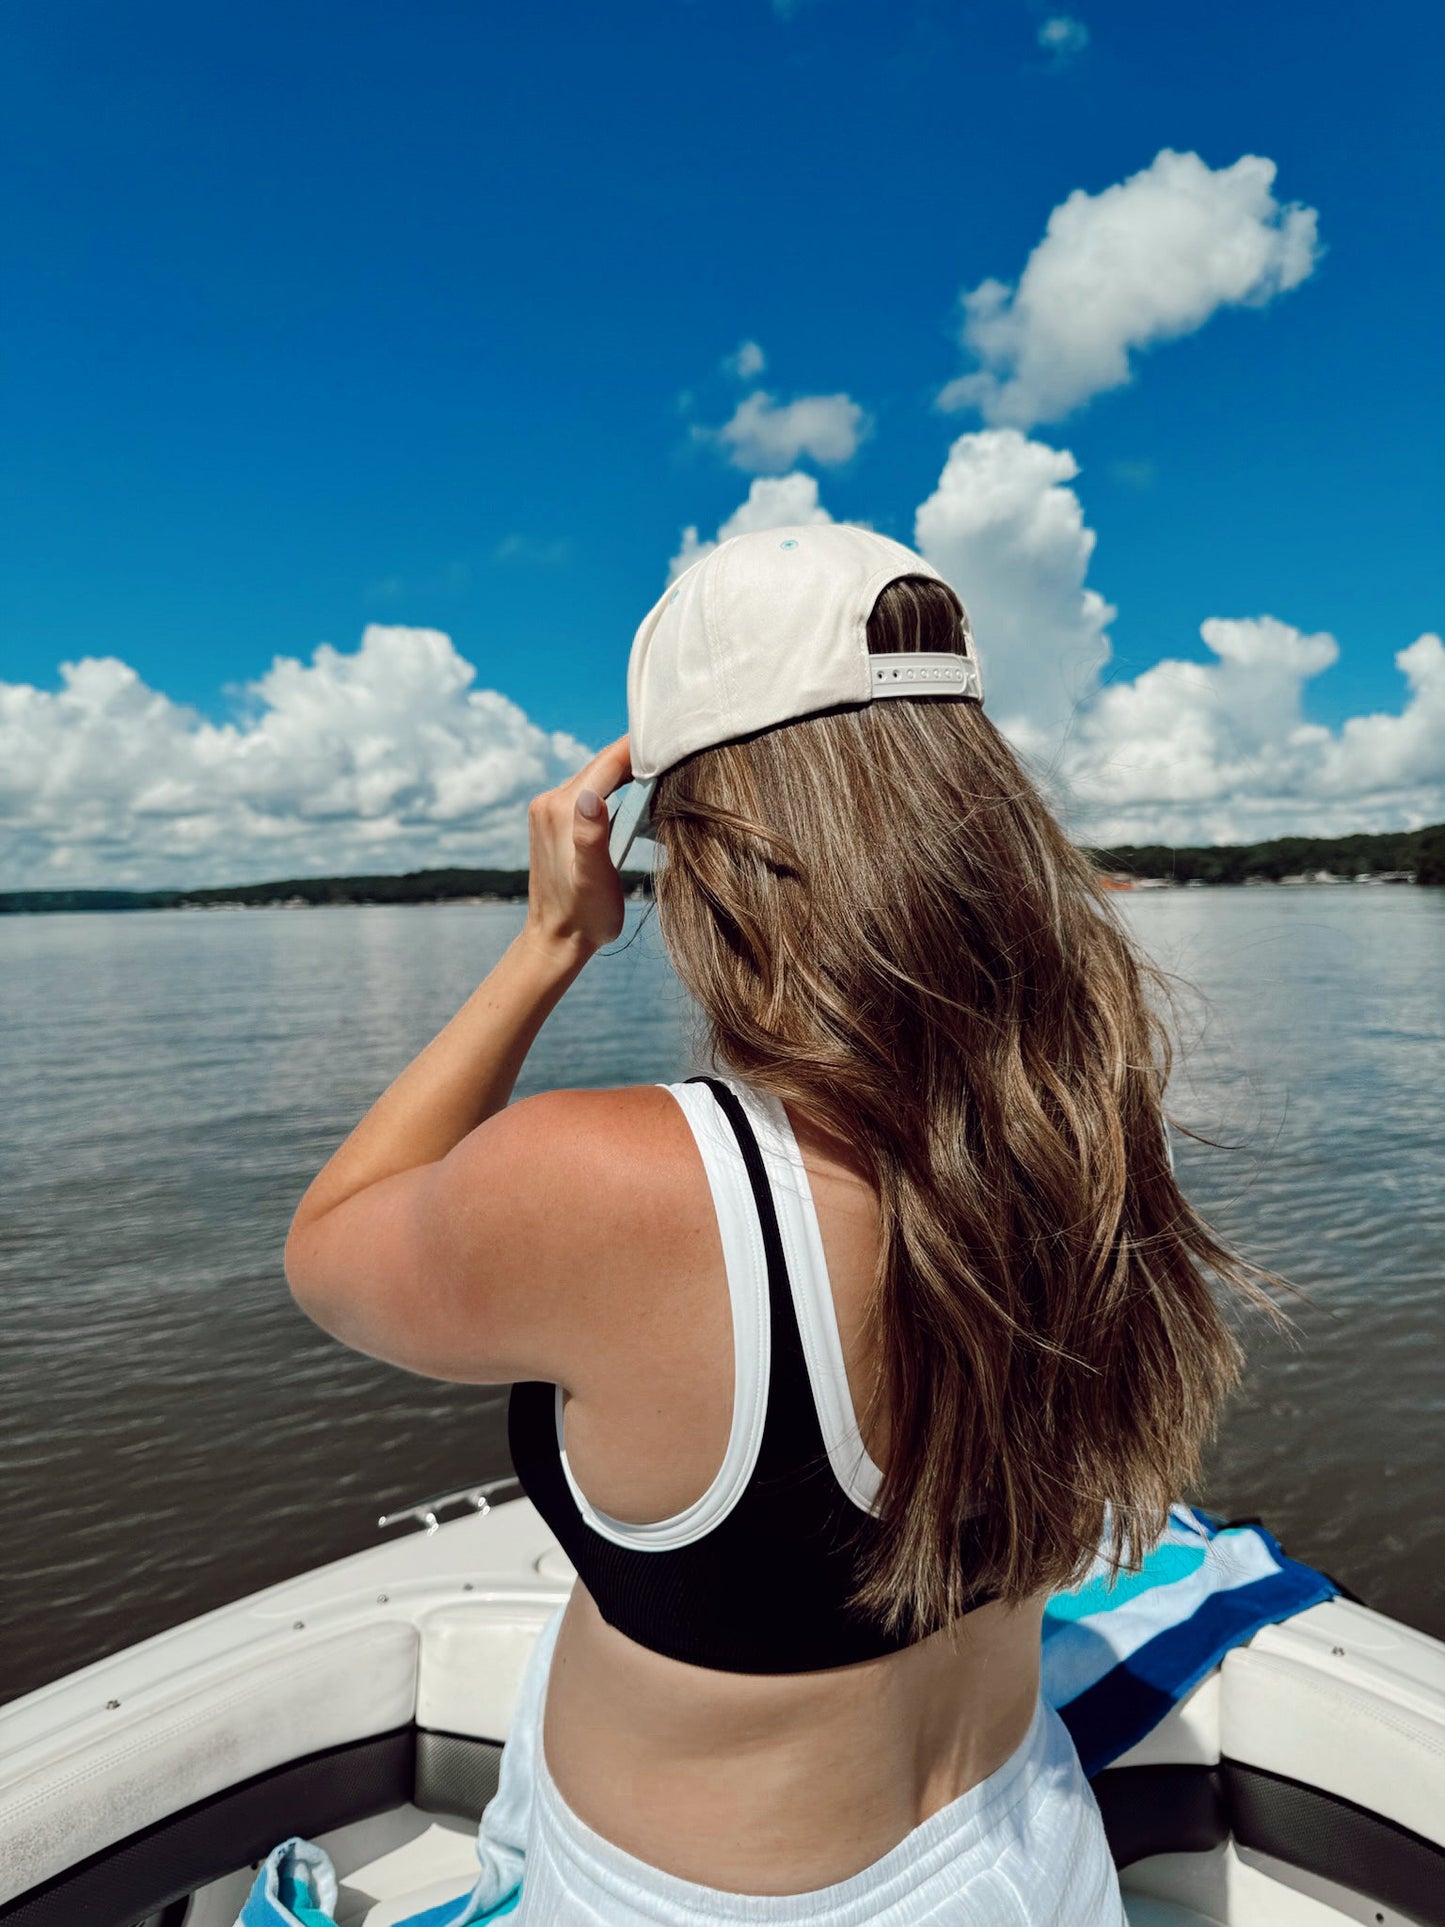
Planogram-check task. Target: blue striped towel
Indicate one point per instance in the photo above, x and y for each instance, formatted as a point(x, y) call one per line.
point(1116, 1658)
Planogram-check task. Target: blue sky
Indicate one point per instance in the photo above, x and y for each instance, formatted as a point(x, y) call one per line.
point(319, 317)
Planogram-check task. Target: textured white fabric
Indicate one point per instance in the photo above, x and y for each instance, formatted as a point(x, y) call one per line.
point(1025, 1848)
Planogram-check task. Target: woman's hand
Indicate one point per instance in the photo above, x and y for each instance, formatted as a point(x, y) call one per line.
point(574, 894)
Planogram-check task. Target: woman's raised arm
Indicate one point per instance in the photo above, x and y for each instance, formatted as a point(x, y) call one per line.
point(366, 1255)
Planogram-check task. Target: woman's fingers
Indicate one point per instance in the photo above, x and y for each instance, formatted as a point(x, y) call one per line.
point(609, 769)
point(574, 888)
point(591, 832)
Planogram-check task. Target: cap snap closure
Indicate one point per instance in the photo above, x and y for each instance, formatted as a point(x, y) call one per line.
point(935, 674)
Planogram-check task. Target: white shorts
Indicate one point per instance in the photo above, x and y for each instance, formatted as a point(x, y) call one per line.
point(1024, 1848)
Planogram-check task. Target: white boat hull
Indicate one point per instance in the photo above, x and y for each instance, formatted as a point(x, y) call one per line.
point(364, 1705)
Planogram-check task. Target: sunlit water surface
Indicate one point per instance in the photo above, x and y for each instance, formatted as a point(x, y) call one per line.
point(175, 1433)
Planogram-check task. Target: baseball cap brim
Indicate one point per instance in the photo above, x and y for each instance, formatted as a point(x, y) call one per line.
point(631, 819)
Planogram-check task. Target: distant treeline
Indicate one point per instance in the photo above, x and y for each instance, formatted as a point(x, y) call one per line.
point(1422, 851)
point(417, 886)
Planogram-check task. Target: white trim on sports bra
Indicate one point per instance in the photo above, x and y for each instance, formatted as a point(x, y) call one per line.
point(745, 1259)
point(813, 1301)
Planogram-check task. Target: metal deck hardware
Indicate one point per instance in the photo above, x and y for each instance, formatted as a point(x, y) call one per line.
point(424, 1512)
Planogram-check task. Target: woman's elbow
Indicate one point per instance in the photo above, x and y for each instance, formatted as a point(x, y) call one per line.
point(304, 1264)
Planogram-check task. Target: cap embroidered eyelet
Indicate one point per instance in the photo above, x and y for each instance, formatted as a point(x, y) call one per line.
point(791, 543)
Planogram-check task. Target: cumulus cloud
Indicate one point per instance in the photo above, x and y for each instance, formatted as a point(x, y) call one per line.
point(1009, 533)
point(773, 502)
point(1220, 752)
point(765, 436)
point(389, 757)
point(384, 759)
point(1148, 259)
point(747, 361)
point(1398, 761)
point(1186, 752)
point(1064, 38)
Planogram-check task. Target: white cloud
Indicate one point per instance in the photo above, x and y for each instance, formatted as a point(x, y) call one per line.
point(749, 360)
point(383, 759)
point(1401, 757)
point(773, 502)
point(1186, 752)
point(389, 757)
point(765, 436)
point(1063, 37)
point(1148, 259)
point(1008, 532)
point(1220, 752)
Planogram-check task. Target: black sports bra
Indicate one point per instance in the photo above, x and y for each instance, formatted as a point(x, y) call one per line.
point(756, 1576)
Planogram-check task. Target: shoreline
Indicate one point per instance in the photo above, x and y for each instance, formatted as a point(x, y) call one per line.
point(1130, 886)
point(1387, 857)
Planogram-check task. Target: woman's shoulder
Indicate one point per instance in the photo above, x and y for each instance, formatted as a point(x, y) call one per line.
point(625, 1155)
point(618, 1122)
point(606, 1204)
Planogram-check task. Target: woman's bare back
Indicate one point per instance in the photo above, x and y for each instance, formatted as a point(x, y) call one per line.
point(754, 1783)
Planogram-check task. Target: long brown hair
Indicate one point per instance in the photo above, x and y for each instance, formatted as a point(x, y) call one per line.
point(885, 926)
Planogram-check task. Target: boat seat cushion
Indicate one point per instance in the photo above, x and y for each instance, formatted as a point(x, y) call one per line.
point(471, 1668)
point(153, 1757)
point(1294, 1720)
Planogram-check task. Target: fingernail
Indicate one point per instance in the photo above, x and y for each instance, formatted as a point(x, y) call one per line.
point(590, 804)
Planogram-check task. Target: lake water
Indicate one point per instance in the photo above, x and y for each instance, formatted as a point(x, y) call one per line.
point(175, 1433)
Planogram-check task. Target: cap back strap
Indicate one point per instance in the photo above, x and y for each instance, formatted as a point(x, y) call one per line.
point(925, 673)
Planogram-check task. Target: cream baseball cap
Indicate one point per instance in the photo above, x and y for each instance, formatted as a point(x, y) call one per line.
point(766, 628)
